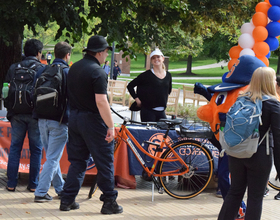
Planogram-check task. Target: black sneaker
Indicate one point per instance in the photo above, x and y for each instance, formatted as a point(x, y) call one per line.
point(72, 206)
point(45, 198)
point(111, 207)
point(277, 197)
point(266, 192)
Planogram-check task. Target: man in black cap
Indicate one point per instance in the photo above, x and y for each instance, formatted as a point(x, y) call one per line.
point(91, 128)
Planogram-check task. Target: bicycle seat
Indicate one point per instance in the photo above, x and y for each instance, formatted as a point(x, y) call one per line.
point(171, 122)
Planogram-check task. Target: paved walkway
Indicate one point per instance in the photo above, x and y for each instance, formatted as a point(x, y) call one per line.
point(137, 204)
point(214, 65)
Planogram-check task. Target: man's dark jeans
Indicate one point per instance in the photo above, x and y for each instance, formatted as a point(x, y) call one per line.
point(87, 133)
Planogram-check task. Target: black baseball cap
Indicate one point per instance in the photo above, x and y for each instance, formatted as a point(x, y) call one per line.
point(97, 43)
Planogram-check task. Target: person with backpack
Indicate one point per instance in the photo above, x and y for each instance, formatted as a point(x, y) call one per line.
point(19, 106)
point(253, 172)
point(52, 123)
point(106, 67)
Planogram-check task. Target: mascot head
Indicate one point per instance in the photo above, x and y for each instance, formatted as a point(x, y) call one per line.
point(226, 93)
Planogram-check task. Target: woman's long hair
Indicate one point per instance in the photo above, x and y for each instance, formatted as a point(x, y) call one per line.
point(262, 83)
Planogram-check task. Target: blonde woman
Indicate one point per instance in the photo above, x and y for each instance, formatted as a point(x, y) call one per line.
point(153, 88)
point(254, 172)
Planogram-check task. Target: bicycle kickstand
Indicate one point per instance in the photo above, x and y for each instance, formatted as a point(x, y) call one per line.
point(159, 187)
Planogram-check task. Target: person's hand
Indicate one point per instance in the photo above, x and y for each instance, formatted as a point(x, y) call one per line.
point(110, 135)
point(138, 101)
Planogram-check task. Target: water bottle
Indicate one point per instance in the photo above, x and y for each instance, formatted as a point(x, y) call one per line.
point(5, 90)
point(255, 134)
point(222, 125)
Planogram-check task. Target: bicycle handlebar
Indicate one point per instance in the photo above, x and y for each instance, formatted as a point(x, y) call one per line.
point(126, 119)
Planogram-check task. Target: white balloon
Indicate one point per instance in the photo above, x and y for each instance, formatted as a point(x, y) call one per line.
point(247, 51)
point(247, 28)
point(246, 41)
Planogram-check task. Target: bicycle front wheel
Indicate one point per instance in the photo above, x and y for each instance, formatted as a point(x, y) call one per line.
point(274, 179)
point(200, 163)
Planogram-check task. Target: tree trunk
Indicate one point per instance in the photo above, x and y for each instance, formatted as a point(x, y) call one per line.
point(10, 54)
point(278, 66)
point(189, 66)
point(145, 60)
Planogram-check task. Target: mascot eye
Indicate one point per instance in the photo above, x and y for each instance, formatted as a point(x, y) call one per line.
point(221, 98)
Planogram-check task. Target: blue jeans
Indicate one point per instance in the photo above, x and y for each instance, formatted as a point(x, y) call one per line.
point(87, 132)
point(54, 137)
point(21, 123)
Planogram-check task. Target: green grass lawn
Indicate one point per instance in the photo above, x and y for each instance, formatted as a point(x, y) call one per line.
point(138, 65)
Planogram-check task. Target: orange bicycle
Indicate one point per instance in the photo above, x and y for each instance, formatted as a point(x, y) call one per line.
point(183, 170)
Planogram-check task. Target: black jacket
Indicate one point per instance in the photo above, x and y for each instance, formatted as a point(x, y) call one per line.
point(271, 119)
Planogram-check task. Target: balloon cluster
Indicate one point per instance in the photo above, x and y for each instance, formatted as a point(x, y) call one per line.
point(260, 36)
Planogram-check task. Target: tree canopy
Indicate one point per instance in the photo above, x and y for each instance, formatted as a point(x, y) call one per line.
point(142, 22)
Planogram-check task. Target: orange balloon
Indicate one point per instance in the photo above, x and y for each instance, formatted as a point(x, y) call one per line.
point(234, 51)
point(260, 33)
point(267, 1)
point(259, 19)
point(264, 59)
point(231, 62)
point(261, 49)
point(262, 7)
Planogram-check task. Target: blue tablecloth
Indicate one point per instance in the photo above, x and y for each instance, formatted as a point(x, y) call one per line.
point(141, 133)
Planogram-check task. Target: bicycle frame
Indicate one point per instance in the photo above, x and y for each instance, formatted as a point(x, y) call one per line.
point(179, 179)
point(124, 135)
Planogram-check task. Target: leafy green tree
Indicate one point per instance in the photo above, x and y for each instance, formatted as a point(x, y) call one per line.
point(218, 45)
point(139, 21)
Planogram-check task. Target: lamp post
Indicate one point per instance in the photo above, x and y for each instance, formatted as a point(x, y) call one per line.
point(112, 60)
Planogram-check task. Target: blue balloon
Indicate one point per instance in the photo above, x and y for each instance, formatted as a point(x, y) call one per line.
point(272, 42)
point(268, 55)
point(274, 2)
point(273, 29)
point(274, 13)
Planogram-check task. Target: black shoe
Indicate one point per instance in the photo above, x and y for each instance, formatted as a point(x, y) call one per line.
point(266, 192)
point(11, 189)
point(30, 190)
point(111, 207)
point(277, 197)
point(45, 198)
point(72, 206)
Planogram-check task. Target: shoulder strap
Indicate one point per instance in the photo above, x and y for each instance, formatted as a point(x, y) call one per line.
point(267, 141)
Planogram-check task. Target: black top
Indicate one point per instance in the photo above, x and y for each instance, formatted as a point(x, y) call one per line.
point(85, 79)
point(151, 90)
point(116, 70)
point(271, 118)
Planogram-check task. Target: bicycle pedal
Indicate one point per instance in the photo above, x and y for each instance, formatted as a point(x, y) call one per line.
point(161, 190)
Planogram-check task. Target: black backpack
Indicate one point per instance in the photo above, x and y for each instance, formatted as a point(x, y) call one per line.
point(50, 92)
point(21, 87)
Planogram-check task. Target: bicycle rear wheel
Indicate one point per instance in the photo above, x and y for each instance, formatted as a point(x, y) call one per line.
point(189, 185)
point(274, 181)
